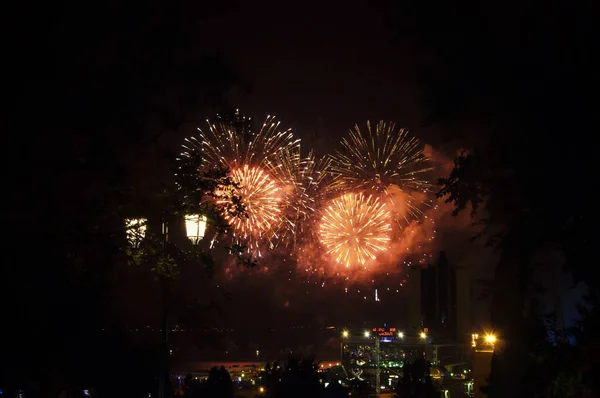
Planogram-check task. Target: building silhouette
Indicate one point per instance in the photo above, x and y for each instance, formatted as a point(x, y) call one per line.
point(440, 300)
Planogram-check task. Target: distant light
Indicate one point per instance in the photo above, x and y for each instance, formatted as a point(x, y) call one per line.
point(490, 339)
point(345, 334)
point(261, 389)
point(423, 335)
point(367, 333)
point(401, 335)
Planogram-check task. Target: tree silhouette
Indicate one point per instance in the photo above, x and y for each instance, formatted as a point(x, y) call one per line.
point(110, 91)
point(297, 378)
point(416, 381)
point(360, 388)
point(335, 390)
point(219, 384)
point(523, 110)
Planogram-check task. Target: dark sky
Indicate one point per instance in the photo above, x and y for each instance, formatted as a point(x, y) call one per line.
point(317, 66)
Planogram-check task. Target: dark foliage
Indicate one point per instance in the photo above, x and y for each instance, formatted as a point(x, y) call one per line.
point(297, 378)
point(416, 381)
point(514, 82)
point(96, 94)
point(218, 385)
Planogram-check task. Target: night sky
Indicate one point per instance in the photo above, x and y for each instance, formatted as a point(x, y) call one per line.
point(318, 67)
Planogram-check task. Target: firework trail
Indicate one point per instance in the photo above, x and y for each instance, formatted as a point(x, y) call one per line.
point(355, 228)
point(384, 161)
point(231, 144)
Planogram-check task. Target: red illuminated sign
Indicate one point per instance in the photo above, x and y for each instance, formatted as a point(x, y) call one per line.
point(385, 332)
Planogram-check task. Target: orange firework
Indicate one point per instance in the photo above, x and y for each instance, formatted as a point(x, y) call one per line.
point(388, 162)
point(303, 181)
point(231, 143)
point(259, 196)
point(354, 228)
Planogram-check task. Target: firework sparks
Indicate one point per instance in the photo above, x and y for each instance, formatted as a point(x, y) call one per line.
point(231, 144)
point(354, 228)
point(259, 195)
point(384, 160)
point(302, 180)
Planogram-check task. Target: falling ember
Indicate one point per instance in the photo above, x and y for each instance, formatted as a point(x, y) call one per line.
point(260, 199)
point(354, 228)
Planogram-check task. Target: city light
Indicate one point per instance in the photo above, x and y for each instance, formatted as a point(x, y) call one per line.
point(401, 335)
point(423, 335)
point(367, 334)
point(261, 389)
point(345, 334)
point(490, 339)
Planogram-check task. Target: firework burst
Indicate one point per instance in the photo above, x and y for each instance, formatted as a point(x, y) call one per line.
point(354, 228)
point(230, 143)
point(259, 196)
point(303, 180)
point(387, 161)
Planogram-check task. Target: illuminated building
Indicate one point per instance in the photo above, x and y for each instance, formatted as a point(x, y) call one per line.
point(483, 346)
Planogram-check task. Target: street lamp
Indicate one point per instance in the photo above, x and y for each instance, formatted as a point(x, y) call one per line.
point(135, 230)
point(423, 336)
point(377, 364)
point(195, 226)
point(401, 335)
point(345, 335)
point(490, 339)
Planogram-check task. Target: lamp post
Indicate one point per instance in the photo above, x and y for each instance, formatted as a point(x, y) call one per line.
point(367, 334)
point(163, 377)
point(195, 226)
point(423, 336)
point(345, 335)
point(136, 232)
point(483, 350)
point(378, 368)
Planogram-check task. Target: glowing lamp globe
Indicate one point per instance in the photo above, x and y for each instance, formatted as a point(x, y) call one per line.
point(135, 229)
point(490, 339)
point(195, 226)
